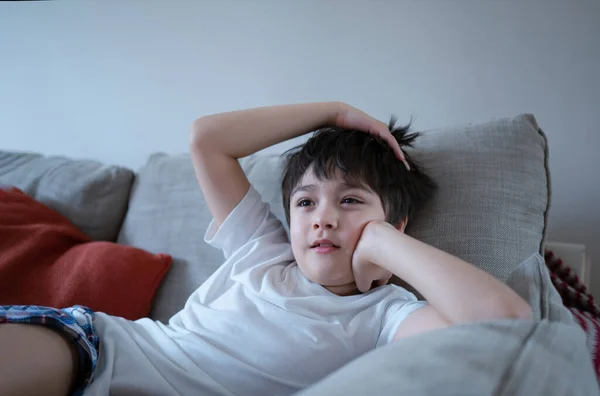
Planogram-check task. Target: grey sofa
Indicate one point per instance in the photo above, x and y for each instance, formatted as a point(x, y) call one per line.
point(491, 210)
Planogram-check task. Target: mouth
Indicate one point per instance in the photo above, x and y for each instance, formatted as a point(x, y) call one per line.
point(324, 247)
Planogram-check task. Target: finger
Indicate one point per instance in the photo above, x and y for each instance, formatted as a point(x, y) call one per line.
point(386, 135)
point(397, 150)
point(395, 147)
point(406, 164)
point(383, 132)
point(381, 282)
point(362, 285)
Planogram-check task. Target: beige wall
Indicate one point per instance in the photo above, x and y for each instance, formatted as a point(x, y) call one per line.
point(116, 81)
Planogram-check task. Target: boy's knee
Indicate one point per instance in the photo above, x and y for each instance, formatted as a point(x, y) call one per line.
point(36, 360)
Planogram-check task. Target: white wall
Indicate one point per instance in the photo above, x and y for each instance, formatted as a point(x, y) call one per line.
point(116, 81)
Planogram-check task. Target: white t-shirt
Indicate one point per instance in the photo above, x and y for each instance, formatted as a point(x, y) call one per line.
point(257, 326)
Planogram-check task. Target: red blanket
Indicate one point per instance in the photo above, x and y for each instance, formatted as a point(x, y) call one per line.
point(579, 301)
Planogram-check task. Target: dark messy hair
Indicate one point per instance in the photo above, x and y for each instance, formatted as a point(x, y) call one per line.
point(365, 160)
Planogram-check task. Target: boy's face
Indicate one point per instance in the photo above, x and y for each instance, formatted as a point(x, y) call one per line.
point(334, 211)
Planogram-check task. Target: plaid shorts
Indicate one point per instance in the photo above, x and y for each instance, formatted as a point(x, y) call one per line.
point(76, 322)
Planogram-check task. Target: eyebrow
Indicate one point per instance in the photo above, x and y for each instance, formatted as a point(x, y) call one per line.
point(343, 186)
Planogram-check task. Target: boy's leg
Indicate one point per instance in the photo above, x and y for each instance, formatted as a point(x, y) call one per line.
point(35, 360)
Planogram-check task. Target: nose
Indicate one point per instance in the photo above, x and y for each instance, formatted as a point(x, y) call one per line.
point(326, 218)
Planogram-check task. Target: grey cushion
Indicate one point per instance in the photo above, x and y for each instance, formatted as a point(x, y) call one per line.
point(531, 280)
point(168, 214)
point(490, 210)
point(545, 357)
point(501, 358)
point(93, 196)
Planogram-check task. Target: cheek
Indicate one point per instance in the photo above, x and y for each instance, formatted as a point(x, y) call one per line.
point(358, 224)
point(297, 234)
point(351, 240)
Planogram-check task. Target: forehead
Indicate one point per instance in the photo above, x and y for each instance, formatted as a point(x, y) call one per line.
point(335, 181)
point(310, 177)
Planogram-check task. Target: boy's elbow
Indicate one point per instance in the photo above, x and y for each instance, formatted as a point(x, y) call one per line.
point(199, 131)
point(524, 311)
point(519, 310)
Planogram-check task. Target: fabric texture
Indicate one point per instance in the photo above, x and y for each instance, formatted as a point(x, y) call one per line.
point(579, 302)
point(507, 358)
point(167, 213)
point(545, 357)
point(93, 196)
point(45, 260)
point(531, 280)
point(490, 209)
point(494, 192)
point(76, 323)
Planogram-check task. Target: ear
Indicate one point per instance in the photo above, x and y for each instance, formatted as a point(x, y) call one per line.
point(402, 225)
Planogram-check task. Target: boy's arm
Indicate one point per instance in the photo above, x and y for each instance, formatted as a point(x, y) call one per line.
point(217, 141)
point(457, 291)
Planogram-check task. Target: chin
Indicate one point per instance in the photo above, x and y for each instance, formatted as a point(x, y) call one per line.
point(326, 280)
point(333, 282)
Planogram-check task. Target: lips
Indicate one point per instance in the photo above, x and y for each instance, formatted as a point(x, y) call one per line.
point(323, 243)
point(324, 246)
point(325, 249)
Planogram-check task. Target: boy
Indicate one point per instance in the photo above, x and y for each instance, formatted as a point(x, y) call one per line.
point(279, 314)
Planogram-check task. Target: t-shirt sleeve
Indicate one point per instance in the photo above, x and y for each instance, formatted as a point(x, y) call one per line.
point(396, 311)
point(251, 220)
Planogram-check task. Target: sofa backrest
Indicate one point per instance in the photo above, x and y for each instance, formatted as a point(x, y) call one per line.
point(92, 195)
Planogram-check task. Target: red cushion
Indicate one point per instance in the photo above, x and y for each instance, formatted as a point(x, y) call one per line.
point(45, 260)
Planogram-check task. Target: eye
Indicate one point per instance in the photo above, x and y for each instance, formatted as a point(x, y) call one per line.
point(349, 200)
point(304, 202)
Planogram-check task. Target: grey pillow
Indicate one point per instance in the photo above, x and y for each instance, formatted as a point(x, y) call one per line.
point(531, 280)
point(501, 358)
point(545, 357)
point(492, 205)
point(490, 209)
point(93, 196)
point(168, 214)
